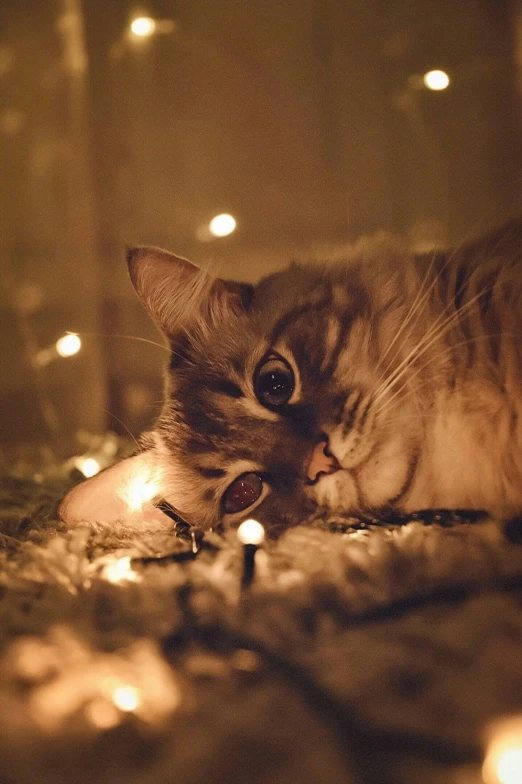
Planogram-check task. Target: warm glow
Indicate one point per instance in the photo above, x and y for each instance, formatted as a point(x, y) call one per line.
point(126, 698)
point(143, 26)
point(68, 345)
point(63, 678)
point(222, 225)
point(89, 466)
point(140, 489)
point(102, 714)
point(503, 763)
point(119, 571)
point(436, 80)
point(250, 532)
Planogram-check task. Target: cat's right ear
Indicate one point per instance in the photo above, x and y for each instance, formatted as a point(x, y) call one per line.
point(177, 294)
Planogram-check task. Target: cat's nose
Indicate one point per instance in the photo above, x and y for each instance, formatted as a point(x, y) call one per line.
point(321, 462)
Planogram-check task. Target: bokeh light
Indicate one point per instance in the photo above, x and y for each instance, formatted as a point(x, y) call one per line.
point(143, 26)
point(222, 225)
point(119, 570)
point(436, 80)
point(88, 466)
point(126, 698)
point(503, 761)
point(68, 345)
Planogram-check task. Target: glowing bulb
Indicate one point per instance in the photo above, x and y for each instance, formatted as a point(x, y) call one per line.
point(126, 698)
point(251, 532)
point(222, 225)
point(436, 80)
point(120, 571)
point(68, 345)
point(143, 26)
point(503, 762)
point(89, 466)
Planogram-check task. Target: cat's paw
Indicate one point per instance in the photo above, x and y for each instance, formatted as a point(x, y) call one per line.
point(121, 496)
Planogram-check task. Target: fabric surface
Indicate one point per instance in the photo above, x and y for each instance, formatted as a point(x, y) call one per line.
point(374, 655)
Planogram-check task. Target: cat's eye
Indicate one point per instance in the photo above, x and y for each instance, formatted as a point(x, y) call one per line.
point(274, 382)
point(242, 493)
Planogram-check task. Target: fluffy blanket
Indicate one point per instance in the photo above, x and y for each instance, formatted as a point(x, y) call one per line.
point(379, 654)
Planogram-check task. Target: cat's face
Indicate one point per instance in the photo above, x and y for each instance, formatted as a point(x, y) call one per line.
point(276, 404)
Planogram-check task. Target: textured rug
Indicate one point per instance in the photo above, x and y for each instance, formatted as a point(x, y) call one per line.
point(378, 655)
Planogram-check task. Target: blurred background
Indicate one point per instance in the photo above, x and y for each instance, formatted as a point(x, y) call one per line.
point(304, 123)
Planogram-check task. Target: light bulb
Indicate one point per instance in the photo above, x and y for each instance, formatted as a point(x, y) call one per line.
point(68, 345)
point(436, 80)
point(222, 225)
point(251, 532)
point(143, 26)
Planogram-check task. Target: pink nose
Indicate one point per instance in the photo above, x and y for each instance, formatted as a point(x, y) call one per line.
point(321, 463)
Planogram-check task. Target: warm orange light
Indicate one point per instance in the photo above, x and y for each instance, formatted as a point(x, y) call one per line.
point(436, 80)
point(126, 698)
point(143, 26)
point(222, 225)
point(68, 345)
point(120, 571)
point(102, 714)
point(503, 762)
point(251, 532)
point(88, 466)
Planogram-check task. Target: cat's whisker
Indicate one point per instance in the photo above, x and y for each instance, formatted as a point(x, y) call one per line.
point(458, 291)
point(126, 337)
point(444, 352)
point(436, 331)
point(133, 437)
point(447, 351)
point(414, 310)
point(418, 306)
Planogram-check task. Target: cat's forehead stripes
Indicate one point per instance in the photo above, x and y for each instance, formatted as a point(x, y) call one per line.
point(310, 308)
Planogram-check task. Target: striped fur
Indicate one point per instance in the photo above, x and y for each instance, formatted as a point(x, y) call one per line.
point(409, 365)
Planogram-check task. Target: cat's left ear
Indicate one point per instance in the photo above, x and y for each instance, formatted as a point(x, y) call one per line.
point(177, 294)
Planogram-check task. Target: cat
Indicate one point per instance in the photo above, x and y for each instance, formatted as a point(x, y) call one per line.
point(382, 381)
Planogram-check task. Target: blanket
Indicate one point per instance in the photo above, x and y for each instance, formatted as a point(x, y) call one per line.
point(373, 651)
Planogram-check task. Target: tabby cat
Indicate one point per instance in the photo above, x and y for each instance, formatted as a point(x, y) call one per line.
point(385, 380)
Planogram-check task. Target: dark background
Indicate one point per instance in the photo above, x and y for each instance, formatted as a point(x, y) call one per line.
point(308, 121)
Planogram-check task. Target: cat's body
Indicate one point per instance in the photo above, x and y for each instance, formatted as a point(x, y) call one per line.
point(383, 380)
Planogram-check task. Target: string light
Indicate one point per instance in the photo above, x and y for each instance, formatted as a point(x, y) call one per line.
point(64, 678)
point(222, 225)
point(88, 466)
point(251, 534)
point(143, 26)
point(503, 761)
point(68, 345)
point(436, 80)
point(120, 570)
point(126, 698)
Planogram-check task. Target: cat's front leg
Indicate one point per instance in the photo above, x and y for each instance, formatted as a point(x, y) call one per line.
point(122, 495)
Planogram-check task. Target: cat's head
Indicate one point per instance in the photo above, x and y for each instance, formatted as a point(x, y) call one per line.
point(277, 402)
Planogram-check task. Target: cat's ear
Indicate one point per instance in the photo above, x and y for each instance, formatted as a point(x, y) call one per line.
point(177, 294)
